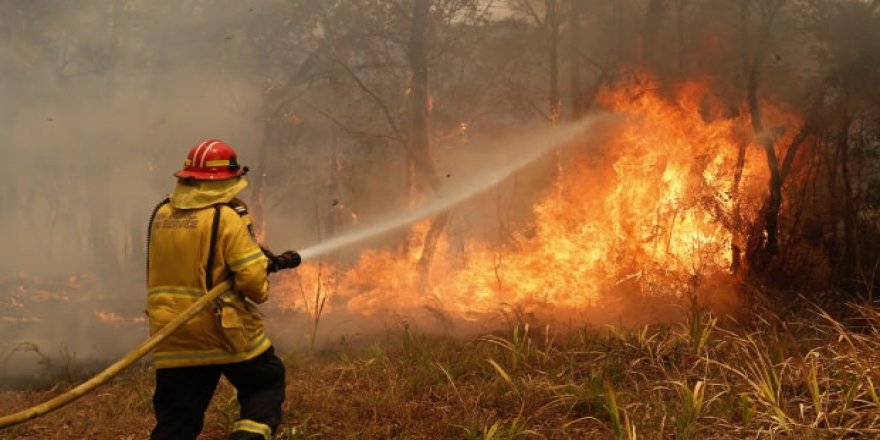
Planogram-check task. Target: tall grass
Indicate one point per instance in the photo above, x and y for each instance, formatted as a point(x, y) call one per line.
point(811, 375)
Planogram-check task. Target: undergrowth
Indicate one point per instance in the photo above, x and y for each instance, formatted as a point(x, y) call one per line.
point(805, 376)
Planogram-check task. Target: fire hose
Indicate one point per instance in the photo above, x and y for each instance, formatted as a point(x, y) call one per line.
point(286, 260)
point(559, 136)
point(118, 366)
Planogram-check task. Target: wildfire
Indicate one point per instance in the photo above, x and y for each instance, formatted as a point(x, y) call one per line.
point(647, 212)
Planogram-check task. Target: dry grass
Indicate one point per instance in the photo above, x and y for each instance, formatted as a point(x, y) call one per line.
point(808, 377)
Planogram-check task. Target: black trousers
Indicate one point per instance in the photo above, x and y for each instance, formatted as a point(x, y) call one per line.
point(183, 394)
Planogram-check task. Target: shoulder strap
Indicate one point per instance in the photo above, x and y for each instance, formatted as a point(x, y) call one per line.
point(239, 209)
point(164, 202)
point(212, 249)
point(242, 211)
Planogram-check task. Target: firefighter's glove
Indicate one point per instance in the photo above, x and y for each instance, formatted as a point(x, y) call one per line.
point(287, 260)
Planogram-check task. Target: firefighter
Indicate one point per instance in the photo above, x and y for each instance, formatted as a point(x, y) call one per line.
point(201, 238)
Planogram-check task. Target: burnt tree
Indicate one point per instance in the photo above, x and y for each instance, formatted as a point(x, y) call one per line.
point(421, 156)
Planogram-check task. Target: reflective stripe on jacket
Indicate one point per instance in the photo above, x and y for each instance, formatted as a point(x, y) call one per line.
point(232, 330)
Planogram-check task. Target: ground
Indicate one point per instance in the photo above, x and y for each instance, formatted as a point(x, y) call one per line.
point(806, 375)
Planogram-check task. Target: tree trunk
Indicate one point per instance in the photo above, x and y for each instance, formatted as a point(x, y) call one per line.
point(851, 246)
point(737, 244)
point(773, 203)
point(257, 180)
point(103, 253)
point(574, 59)
point(552, 22)
point(419, 105)
point(617, 13)
point(680, 6)
point(763, 249)
point(419, 133)
point(653, 17)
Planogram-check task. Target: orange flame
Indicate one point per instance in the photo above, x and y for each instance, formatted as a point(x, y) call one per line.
point(653, 207)
point(117, 320)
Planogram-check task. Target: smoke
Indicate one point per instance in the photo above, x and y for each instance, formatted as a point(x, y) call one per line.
point(102, 99)
point(97, 115)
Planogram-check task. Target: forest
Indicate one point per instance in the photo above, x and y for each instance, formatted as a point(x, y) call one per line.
point(519, 218)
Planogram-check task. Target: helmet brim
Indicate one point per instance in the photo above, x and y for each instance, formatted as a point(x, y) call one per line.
point(200, 194)
point(205, 175)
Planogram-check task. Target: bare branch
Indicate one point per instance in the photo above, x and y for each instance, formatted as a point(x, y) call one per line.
point(792, 150)
point(531, 11)
point(358, 135)
point(592, 61)
point(540, 112)
point(401, 140)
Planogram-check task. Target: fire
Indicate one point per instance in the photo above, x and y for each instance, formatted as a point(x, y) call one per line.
point(117, 320)
point(647, 212)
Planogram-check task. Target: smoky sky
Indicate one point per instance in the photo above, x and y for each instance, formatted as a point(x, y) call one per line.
point(99, 104)
point(98, 113)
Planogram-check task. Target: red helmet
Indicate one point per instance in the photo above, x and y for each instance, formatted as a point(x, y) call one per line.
point(211, 160)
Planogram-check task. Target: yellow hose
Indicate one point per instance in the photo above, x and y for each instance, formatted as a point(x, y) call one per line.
point(117, 367)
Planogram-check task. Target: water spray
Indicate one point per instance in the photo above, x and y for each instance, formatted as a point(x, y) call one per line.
point(529, 149)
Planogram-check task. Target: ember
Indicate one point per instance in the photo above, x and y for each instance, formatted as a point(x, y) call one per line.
point(117, 320)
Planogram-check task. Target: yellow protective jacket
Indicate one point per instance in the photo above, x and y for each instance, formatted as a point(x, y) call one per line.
point(179, 248)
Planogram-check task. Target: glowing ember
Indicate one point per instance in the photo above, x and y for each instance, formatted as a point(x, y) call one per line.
point(116, 319)
point(650, 208)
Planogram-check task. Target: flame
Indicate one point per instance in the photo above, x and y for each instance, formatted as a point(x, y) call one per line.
point(651, 208)
point(117, 320)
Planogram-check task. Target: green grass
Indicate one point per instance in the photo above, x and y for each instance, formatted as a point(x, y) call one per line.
point(806, 376)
